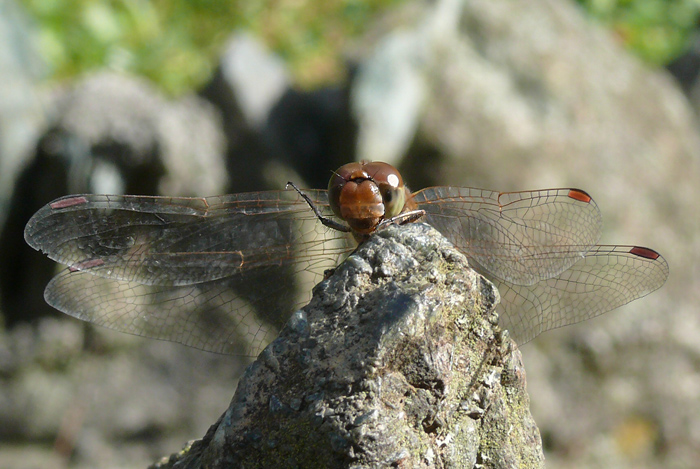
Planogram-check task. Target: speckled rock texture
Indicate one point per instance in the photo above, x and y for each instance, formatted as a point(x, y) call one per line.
point(396, 362)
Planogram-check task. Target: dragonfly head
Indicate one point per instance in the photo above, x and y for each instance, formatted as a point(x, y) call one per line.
point(363, 194)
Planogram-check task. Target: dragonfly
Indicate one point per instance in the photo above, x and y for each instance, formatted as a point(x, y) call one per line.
point(223, 273)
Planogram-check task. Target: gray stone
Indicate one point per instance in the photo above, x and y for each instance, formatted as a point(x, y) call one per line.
point(125, 126)
point(396, 373)
point(533, 94)
point(257, 78)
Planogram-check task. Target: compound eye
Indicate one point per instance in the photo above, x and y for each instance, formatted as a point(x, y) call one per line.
point(394, 198)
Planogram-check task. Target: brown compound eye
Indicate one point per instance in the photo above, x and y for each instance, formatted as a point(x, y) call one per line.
point(364, 194)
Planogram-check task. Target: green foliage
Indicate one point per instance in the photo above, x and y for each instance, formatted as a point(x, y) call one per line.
point(657, 30)
point(176, 43)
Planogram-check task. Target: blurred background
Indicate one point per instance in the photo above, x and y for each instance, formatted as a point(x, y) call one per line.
point(202, 98)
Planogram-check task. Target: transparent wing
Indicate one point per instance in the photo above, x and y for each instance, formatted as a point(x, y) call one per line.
point(517, 237)
point(539, 248)
point(606, 278)
point(221, 273)
point(189, 270)
point(176, 241)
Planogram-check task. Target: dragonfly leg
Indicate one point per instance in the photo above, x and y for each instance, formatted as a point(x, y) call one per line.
point(403, 218)
point(329, 222)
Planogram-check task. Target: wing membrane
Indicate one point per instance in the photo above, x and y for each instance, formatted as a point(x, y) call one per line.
point(606, 278)
point(516, 237)
point(222, 273)
point(231, 315)
point(172, 241)
point(219, 274)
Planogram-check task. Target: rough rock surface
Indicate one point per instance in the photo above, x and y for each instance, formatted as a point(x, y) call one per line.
point(530, 95)
point(397, 361)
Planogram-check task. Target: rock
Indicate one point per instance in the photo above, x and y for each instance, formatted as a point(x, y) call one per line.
point(276, 132)
point(255, 77)
point(135, 141)
point(249, 81)
point(530, 95)
point(397, 361)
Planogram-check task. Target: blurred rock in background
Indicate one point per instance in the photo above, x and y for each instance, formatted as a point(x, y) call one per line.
point(493, 94)
point(21, 107)
point(276, 132)
point(106, 134)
